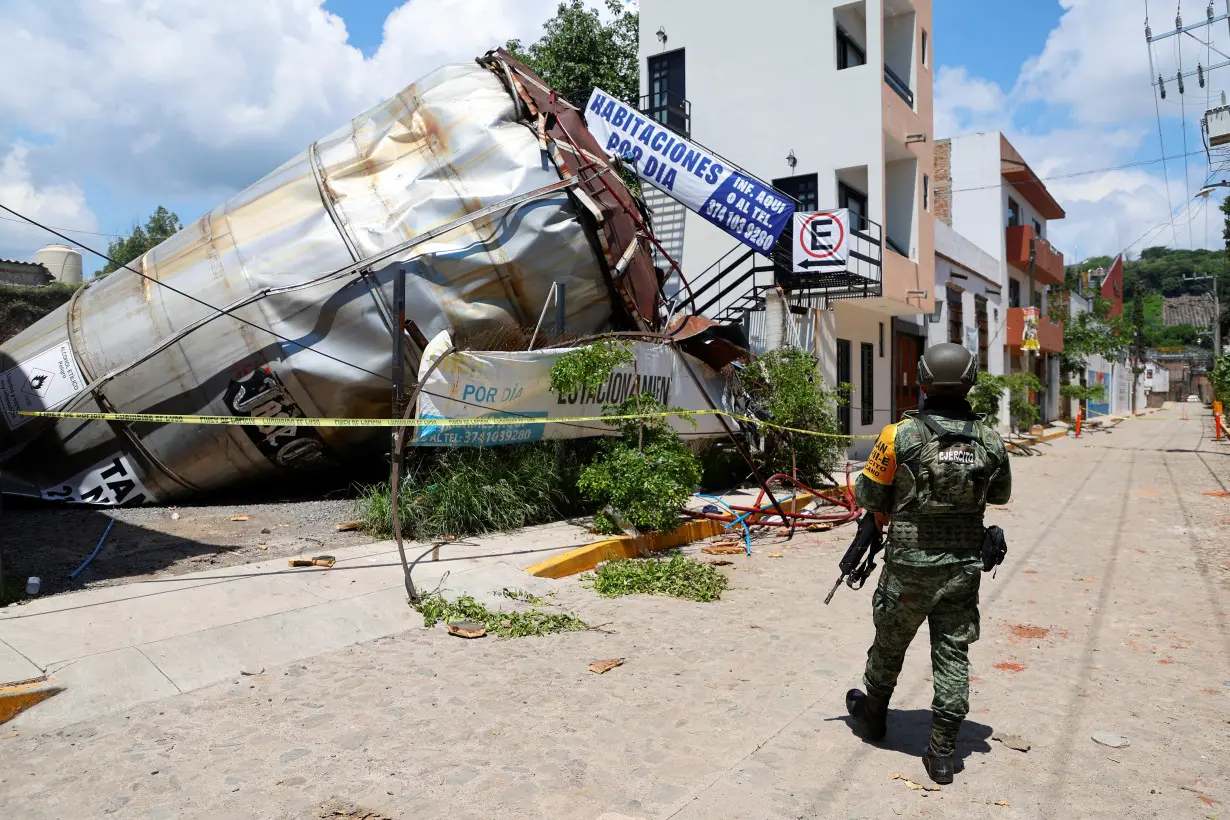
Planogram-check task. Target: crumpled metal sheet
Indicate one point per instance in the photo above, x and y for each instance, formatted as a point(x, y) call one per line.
point(454, 142)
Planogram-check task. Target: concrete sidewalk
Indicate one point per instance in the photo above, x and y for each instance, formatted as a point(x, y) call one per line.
point(118, 646)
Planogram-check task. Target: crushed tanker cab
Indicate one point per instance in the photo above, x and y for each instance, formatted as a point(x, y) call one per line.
point(475, 180)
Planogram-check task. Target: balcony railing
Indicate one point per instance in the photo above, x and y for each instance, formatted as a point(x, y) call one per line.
point(1050, 334)
point(1048, 262)
point(899, 85)
point(670, 110)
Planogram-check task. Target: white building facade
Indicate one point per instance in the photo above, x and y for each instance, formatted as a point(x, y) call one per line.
point(987, 193)
point(830, 102)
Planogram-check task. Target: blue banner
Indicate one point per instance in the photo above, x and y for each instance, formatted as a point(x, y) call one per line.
point(738, 203)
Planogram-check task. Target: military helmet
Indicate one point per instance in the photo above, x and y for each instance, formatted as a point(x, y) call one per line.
point(947, 365)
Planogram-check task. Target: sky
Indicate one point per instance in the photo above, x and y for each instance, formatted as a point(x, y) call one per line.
point(124, 105)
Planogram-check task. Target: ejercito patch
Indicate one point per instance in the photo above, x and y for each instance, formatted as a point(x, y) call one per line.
point(881, 464)
point(957, 454)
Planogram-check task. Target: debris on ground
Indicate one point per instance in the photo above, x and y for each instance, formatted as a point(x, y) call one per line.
point(325, 561)
point(1002, 803)
point(349, 526)
point(534, 622)
point(467, 629)
point(774, 555)
point(239, 518)
point(679, 577)
point(723, 550)
point(1012, 741)
point(602, 667)
point(248, 674)
point(1111, 739)
point(720, 562)
point(912, 784)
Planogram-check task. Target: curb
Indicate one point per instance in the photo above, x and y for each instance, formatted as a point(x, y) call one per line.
point(583, 559)
point(19, 696)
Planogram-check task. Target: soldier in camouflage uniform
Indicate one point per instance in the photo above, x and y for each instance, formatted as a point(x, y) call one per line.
point(930, 477)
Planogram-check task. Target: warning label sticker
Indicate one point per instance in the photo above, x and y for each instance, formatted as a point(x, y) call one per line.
point(39, 383)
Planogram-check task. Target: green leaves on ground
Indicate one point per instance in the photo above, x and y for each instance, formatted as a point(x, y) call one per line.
point(531, 622)
point(678, 577)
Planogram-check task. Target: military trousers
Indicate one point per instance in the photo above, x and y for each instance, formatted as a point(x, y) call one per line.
point(946, 597)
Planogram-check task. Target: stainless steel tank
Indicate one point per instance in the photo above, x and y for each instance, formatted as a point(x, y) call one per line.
point(460, 140)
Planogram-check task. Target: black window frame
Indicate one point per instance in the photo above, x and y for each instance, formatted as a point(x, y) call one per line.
point(668, 105)
point(846, 193)
point(984, 348)
point(1014, 213)
point(881, 340)
point(923, 47)
point(804, 189)
point(845, 45)
point(956, 317)
point(866, 387)
point(844, 376)
point(1014, 293)
point(1038, 229)
point(926, 193)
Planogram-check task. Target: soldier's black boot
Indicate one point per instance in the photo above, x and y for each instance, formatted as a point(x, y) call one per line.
point(939, 767)
point(870, 712)
point(938, 759)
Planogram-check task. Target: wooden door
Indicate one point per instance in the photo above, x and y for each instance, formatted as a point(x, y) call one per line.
point(907, 350)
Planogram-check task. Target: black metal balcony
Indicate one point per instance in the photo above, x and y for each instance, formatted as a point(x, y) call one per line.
point(670, 110)
point(899, 85)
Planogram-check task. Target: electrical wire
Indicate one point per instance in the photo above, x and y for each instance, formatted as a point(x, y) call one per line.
point(1052, 178)
point(70, 230)
point(1187, 179)
point(1157, 109)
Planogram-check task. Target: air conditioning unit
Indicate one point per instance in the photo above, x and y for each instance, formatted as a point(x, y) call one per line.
point(1217, 120)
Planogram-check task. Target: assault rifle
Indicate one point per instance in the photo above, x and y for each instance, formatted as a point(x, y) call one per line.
point(859, 561)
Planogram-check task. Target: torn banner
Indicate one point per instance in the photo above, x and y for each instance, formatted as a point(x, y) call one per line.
point(480, 384)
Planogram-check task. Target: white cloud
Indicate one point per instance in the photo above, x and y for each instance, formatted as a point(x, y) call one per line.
point(194, 99)
point(60, 204)
point(1085, 103)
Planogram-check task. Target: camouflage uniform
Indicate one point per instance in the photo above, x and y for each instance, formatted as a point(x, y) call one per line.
point(936, 490)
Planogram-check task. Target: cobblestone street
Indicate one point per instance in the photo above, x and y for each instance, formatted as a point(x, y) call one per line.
point(1110, 614)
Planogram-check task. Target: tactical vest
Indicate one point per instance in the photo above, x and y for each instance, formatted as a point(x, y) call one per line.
point(942, 494)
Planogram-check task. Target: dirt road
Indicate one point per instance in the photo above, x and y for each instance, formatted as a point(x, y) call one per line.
point(1111, 614)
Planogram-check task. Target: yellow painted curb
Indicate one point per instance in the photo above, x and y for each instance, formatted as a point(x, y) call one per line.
point(583, 559)
point(17, 697)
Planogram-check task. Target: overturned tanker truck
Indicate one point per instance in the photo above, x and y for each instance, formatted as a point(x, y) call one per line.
point(475, 180)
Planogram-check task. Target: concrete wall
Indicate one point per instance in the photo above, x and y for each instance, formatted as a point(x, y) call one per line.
point(752, 80)
point(861, 326)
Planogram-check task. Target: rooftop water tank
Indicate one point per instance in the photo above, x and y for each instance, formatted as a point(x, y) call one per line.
point(63, 262)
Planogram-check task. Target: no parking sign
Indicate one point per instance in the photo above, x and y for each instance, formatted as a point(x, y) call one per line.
point(821, 241)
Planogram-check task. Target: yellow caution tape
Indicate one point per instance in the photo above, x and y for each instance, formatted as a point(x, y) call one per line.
point(486, 421)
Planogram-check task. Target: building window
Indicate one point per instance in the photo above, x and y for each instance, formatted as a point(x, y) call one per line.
point(926, 192)
point(867, 384)
point(667, 101)
point(1014, 212)
point(980, 312)
point(881, 340)
point(804, 188)
point(844, 378)
point(923, 47)
point(1014, 293)
point(1038, 229)
point(849, 55)
point(956, 317)
point(856, 202)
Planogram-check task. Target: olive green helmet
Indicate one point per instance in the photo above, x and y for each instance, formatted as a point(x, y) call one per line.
point(947, 365)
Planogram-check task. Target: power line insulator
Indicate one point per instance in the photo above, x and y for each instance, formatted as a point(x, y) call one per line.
point(1200, 74)
point(1179, 77)
point(1178, 21)
point(1148, 31)
point(1162, 85)
point(1208, 12)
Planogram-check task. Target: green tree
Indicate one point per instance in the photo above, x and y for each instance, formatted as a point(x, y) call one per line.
point(579, 50)
point(1091, 333)
point(161, 225)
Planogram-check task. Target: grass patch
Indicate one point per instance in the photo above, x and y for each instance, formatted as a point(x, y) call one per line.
point(678, 576)
point(533, 622)
point(476, 490)
point(21, 307)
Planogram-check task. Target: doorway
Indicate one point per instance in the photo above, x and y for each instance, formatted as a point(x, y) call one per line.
point(907, 350)
point(843, 379)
